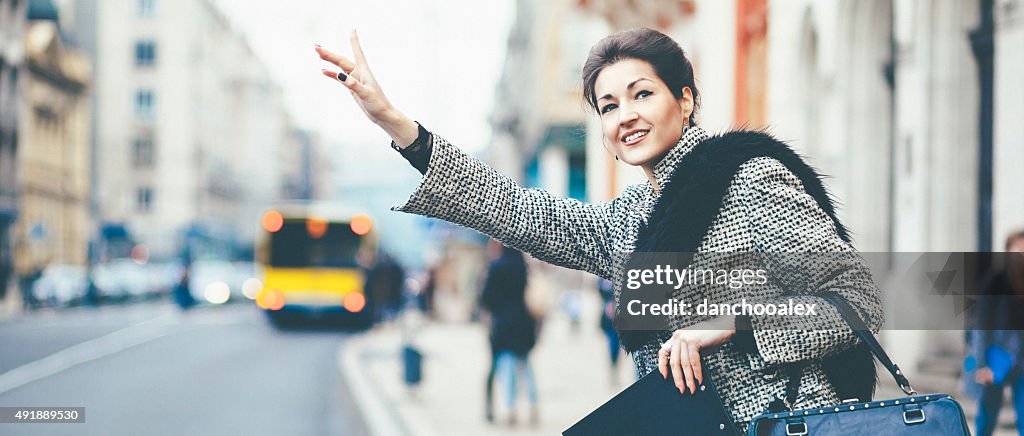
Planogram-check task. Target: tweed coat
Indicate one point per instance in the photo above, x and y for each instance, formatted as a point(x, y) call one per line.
point(765, 210)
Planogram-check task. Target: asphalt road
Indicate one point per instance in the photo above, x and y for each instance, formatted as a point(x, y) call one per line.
point(149, 369)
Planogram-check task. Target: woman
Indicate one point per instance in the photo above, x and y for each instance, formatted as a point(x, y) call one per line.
point(737, 192)
point(513, 329)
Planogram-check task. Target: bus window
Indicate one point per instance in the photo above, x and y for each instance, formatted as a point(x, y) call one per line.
point(293, 247)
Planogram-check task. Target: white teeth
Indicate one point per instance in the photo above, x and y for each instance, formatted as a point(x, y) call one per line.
point(636, 135)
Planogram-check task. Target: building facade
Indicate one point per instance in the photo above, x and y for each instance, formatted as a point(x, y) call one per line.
point(54, 222)
point(188, 125)
point(540, 131)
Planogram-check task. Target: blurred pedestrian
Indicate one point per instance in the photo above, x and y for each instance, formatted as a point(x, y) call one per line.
point(385, 283)
point(92, 292)
point(607, 290)
point(6, 272)
point(428, 290)
point(742, 191)
point(572, 306)
point(27, 284)
point(996, 346)
point(513, 330)
point(182, 292)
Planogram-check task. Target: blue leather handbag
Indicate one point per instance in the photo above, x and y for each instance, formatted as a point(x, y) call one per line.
point(933, 414)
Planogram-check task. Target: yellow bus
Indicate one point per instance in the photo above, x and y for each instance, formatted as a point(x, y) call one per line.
point(313, 260)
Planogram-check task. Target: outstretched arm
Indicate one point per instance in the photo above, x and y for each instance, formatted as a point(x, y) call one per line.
point(460, 189)
point(566, 232)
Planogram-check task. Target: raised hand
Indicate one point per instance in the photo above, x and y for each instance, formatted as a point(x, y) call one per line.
point(357, 77)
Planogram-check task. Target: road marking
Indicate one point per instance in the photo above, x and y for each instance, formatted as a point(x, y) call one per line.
point(90, 350)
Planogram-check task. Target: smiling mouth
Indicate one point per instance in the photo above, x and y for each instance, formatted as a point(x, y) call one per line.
point(635, 137)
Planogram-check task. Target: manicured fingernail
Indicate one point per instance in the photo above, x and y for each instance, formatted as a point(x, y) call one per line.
point(342, 76)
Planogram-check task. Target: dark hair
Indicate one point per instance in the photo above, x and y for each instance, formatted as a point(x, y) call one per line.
point(649, 45)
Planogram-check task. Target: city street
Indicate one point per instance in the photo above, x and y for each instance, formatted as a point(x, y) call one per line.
point(150, 369)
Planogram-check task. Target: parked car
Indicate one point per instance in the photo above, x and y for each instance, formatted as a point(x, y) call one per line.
point(120, 280)
point(209, 281)
point(161, 277)
point(61, 285)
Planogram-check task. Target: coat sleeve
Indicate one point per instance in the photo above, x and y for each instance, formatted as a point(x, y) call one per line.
point(805, 256)
point(565, 232)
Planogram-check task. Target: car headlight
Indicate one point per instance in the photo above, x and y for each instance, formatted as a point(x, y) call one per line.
point(251, 287)
point(217, 292)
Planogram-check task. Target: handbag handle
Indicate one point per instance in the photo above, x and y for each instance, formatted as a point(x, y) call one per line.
point(864, 333)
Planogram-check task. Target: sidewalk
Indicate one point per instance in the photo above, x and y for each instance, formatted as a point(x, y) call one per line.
point(572, 373)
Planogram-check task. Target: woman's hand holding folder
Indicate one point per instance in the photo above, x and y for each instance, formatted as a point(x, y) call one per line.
point(681, 353)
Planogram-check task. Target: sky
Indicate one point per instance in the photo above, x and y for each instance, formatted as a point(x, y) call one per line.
point(438, 61)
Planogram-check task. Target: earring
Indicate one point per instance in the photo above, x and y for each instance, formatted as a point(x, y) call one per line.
point(616, 157)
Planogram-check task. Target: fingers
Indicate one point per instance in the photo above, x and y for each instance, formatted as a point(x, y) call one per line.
point(663, 355)
point(357, 49)
point(687, 364)
point(336, 75)
point(350, 82)
point(677, 371)
point(681, 356)
point(346, 65)
point(698, 372)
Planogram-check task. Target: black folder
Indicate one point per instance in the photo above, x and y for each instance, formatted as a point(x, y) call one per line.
point(654, 406)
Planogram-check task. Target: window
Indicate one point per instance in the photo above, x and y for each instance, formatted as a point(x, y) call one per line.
point(145, 53)
point(144, 199)
point(145, 8)
point(144, 104)
point(46, 117)
point(142, 152)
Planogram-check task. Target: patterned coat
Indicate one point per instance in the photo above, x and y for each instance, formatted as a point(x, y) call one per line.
point(765, 210)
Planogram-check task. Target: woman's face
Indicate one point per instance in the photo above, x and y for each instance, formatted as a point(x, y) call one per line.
point(640, 117)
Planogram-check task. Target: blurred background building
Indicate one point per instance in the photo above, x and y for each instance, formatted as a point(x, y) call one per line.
point(145, 129)
point(54, 222)
point(190, 130)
